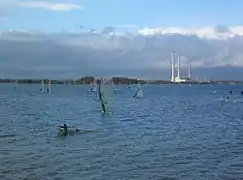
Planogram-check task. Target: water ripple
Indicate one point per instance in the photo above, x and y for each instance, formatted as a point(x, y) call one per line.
point(171, 133)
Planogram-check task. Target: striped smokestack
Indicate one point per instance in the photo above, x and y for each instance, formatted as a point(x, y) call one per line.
point(172, 66)
point(190, 71)
point(179, 63)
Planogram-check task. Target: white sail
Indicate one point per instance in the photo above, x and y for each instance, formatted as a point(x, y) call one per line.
point(42, 86)
point(49, 87)
point(16, 84)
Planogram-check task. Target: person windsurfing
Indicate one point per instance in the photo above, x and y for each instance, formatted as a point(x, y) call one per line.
point(64, 128)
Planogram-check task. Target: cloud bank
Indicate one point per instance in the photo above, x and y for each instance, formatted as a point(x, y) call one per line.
point(50, 5)
point(217, 32)
point(211, 51)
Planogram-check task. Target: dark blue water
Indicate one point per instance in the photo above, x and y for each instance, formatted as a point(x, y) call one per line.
point(173, 132)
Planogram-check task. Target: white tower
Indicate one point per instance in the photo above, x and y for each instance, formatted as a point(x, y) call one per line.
point(172, 66)
point(178, 68)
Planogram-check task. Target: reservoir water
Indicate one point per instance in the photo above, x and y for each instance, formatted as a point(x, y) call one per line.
point(172, 132)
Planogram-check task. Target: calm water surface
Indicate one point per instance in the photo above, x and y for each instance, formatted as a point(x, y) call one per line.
point(172, 133)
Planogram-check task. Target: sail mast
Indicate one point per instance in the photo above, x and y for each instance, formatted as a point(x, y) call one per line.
point(49, 86)
point(42, 86)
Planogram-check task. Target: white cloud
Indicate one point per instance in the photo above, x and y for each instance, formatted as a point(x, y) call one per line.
point(204, 32)
point(50, 5)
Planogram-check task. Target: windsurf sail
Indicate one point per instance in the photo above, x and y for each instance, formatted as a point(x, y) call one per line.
point(101, 96)
point(49, 87)
point(99, 88)
point(138, 84)
point(139, 92)
point(113, 86)
point(42, 86)
point(16, 84)
point(92, 87)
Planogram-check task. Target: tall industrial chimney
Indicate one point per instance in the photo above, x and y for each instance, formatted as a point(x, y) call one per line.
point(178, 68)
point(189, 73)
point(172, 66)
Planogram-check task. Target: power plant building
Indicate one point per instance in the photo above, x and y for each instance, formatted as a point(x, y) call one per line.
point(177, 79)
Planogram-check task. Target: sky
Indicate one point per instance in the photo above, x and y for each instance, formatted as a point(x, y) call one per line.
point(54, 15)
point(66, 37)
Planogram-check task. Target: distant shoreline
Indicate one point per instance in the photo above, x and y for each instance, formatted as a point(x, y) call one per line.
point(114, 80)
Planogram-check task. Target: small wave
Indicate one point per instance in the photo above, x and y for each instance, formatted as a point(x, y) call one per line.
point(127, 119)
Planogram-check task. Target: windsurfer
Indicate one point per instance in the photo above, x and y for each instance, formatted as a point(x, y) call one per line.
point(64, 127)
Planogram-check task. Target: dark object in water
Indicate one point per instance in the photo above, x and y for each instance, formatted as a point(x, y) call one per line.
point(74, 131)
point(7, 135)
